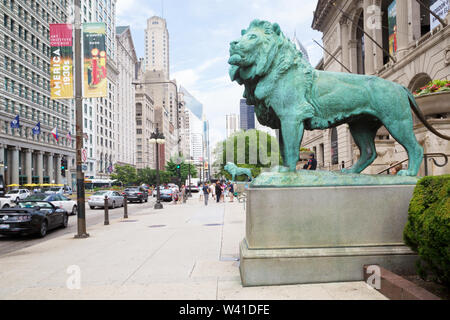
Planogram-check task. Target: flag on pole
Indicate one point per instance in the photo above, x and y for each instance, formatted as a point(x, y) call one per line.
point(69, 137)
point(15, 124)
point(55, 134)
point(37, 128)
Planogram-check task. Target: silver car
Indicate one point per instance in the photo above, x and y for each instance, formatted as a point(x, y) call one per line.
point(115, 199)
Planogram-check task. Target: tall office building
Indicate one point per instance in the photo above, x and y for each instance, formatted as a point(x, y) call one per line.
point(101, 115)
point(232, 124)
point(195, 125)
point(157, 45)
point(247, 116)
point(27, 158)
point(126, 130)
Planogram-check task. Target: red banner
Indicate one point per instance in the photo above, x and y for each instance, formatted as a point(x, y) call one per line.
point(61, 62)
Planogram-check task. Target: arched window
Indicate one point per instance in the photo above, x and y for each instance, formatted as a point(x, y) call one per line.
point(334, 147)
point(418, 81)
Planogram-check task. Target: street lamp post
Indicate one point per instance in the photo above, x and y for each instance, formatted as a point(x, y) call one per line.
point(157, 138)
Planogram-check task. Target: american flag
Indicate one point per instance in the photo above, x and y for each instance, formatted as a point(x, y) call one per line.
point(69, 137)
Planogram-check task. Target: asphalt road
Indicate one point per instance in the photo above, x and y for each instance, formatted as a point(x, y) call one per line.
point(93, 217)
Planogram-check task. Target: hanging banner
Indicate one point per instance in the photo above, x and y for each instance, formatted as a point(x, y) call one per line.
point(61, 61)
point(94, 44)
point(439, 7)
point(392, 26)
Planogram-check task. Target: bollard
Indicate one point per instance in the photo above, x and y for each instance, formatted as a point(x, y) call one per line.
point(125, 207)
point(106, 211)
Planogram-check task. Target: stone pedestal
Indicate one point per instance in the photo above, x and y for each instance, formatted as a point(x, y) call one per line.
point(302, 235)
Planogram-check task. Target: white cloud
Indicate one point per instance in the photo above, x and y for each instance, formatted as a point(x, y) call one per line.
point(128, 14)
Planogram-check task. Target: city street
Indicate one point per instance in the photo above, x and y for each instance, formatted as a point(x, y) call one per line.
point(181, 252)
point(93, 217)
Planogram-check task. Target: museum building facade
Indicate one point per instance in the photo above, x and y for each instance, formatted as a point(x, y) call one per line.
point(408, 46)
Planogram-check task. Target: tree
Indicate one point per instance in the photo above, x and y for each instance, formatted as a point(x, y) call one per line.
point(171, 169)
point(125, 174)
point(252, 148)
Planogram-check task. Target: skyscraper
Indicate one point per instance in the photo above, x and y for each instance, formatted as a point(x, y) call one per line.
point(247, 116)
point(25, 156)
point(157, 45)
point(127, 121)
point(232, 124)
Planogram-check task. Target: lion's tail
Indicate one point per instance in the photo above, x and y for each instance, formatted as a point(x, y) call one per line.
point(421, 117)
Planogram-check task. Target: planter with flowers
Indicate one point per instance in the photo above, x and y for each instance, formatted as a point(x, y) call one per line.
point(434, 102)
point(434, 98)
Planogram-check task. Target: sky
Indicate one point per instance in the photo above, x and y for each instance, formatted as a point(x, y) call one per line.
point(200, 32)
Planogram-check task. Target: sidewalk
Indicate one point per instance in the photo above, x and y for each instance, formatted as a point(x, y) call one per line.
point(181, 252)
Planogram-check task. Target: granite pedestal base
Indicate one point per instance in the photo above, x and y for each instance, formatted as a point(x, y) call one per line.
point(324, 234)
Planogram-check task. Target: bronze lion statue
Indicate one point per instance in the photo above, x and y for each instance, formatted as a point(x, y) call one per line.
point(234, 170)
point(290, 95)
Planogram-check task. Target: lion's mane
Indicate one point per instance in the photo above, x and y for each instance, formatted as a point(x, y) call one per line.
point(271, 67)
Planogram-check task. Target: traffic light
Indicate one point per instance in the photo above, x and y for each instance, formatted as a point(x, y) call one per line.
point(178, 170)
point(63, 166)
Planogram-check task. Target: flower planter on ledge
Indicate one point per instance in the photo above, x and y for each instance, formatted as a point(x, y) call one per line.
point(434, 103)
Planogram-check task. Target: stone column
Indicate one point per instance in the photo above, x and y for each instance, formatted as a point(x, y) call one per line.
point(368, 44)
point(353, 47)
point(40, 166)
point(28, 166)
point(58, 169)
point(344, 43)
point(2, 162)
point(50, 171)
point(14, 165)
point(378, 36)
point(402, 28)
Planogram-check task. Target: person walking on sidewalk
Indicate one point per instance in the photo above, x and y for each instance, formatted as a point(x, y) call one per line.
point(231, 191)
point(218, 191)
point(206, 193)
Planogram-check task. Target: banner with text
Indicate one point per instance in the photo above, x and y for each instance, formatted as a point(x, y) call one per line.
point(94, 44)
point(61, 62)
point(439, 7)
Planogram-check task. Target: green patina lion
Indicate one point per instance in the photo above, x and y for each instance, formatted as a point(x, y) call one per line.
point(234, 170)
point(290, 95)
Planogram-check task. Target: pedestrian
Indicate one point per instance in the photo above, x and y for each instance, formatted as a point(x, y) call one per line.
point(206, 191)
point(312, 163)
point(201, 192)
point(231, 192)
point(218, 191)
point(180, 195)
point(397, 169)
point(212, 190)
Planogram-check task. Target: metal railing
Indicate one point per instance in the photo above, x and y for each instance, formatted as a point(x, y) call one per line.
point(426, 157)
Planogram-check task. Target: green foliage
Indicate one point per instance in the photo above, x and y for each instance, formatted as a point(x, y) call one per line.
point(428, 228)
point(125, 174)
point(432, 87)
point(171, 169)
point(241, 150)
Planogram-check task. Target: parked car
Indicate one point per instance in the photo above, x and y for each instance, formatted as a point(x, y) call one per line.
point(155, 191)
point(136, 194)
point(58, 200)
point(194, 189)
point(59, 190)
point(32, 217)
point(18, 194)
point(166, 194)
point(115, 199)
point(6, 202)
